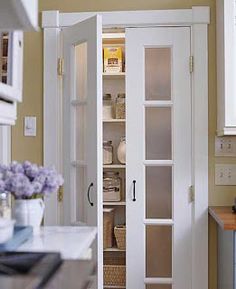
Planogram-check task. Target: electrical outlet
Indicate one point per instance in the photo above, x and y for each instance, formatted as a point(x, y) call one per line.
point(225, 175)
point(225, 146)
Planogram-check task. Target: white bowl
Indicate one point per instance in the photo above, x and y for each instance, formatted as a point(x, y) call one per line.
point(6, 229)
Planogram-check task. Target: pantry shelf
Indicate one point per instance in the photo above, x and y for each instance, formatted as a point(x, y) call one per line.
point(121, 203)
point(115, 287)
point(113, 75)
point(114, 120)
point(116, 166)
point(113, 250)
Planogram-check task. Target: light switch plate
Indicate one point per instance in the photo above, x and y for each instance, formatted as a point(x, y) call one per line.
point(225, 146)
point(225, 175)
point(30, 126)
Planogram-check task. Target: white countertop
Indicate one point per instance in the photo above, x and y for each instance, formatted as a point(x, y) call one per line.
point(72, 242)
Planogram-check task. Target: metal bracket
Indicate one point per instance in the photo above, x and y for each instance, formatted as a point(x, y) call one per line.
point(60, 194)
point(60, 66)
point(191, 64)
point(191, 194)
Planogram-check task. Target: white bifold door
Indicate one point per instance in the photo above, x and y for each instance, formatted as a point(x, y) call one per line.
point(158, 158)
point(82, 135)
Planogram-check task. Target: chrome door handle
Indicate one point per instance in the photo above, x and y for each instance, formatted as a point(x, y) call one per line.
point(88, 194)
point(134, 190)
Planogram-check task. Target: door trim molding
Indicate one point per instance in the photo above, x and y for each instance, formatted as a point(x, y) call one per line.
point(198, 19)
point(5, 144)
point(196, 15)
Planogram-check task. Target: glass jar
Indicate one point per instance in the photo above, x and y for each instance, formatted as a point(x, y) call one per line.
point(120, 106)
point(107, 106)
point(107, 152)
point(121, 150)
point(111, 187)
point(5, 208)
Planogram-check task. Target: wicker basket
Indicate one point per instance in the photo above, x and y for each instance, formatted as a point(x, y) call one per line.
point(108, 224)
point(114, 271)
point(120, 234)
point(114, 275)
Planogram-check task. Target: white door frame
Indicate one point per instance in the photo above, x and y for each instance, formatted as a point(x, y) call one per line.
point(5, 144)
point(198, 19)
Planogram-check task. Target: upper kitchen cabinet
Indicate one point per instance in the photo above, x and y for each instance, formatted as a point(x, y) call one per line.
point(16, 16)
point(226, 67)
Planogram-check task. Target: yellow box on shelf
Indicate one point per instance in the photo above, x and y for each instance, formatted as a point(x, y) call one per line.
point(112, 59)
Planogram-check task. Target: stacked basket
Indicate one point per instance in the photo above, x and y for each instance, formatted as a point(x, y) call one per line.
point(120, 234)
point(114, 271)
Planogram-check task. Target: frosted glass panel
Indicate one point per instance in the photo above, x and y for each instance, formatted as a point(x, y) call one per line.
point(158, 73)
point(80, 194)
point(158, 133)
point(160, 286)
point(80, 126)
point(158, 192)
point(158, 251)
point(81, 71)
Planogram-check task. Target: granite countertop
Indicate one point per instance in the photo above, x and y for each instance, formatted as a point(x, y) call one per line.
point(224, 217)
point(72, 242)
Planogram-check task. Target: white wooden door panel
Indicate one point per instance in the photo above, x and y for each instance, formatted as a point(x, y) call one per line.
point(83, 126)
point(158, 158)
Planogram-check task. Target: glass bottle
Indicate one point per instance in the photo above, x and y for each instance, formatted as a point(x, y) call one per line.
point(107, 152)
point(120, 106)
point(107, 107)
point(5, 209)
point(111, 186)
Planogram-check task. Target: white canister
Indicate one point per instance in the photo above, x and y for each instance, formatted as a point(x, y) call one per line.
point(121, 151)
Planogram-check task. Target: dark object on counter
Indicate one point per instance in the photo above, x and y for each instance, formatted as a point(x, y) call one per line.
point(20, 235)
point(40, 266)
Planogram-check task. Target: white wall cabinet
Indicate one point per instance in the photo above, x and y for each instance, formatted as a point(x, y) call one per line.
point(11, 60)
point(226, 67)
point(15, 16)
point(163, 108)
point(19, 15)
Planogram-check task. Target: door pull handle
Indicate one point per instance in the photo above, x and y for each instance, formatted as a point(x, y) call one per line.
point(88, 194)
point(134, 190)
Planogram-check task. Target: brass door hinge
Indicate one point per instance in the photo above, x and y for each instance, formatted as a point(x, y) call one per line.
point(191, 194)
point(60, 194)
point(60, 66)
point(191, 64)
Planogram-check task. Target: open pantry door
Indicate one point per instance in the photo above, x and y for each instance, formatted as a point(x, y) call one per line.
point(82, 48)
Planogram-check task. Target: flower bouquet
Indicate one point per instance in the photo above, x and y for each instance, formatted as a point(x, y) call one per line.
point(28, 183)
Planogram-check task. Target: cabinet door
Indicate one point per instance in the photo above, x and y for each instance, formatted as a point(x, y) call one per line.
point(11, 59)
point(83, 123)
point(158, 158)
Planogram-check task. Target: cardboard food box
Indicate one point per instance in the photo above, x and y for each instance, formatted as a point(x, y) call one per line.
point(112, 59)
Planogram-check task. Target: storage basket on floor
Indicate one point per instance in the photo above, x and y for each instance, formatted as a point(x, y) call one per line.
point(120, 235)
point(114, 271)
point(108, 224)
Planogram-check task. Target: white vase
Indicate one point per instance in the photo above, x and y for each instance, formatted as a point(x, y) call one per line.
point(121, 151)
point(28, 213)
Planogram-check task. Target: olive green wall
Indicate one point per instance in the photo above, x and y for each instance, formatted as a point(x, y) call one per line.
point(32, 148)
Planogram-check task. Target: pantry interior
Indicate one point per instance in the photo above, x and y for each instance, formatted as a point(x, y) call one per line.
point(114, 168)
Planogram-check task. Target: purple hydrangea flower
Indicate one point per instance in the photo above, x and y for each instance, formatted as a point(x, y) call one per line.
point(28, 180)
